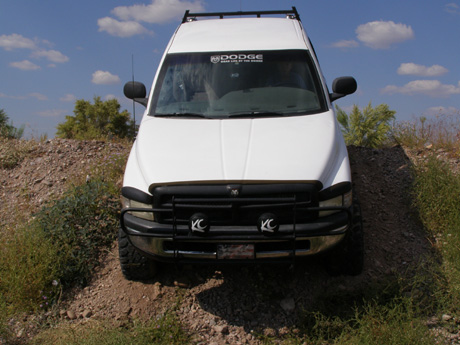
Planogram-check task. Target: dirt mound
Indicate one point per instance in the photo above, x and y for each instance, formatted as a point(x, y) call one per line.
point(47, 171)
point(231, 304)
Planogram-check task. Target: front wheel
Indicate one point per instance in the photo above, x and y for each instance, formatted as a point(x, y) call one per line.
point(134, 265)
point(348, 257)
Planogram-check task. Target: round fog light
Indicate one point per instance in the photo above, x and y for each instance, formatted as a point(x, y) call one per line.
point(199, 223)
point(268, 223)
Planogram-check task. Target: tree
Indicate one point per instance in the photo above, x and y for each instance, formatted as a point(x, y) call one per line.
point(102, 119)
point(369, 128)
point(8, 130)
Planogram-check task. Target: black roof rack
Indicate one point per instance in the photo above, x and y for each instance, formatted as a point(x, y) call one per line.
point(192, 16)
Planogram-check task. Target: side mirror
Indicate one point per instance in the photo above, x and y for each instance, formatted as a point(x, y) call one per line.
point(342, 86)
point(136, 91)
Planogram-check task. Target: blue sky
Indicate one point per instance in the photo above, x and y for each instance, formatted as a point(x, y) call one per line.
point(52, 52)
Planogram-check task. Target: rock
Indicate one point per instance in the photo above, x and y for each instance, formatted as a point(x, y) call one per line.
point(181, 283)
point(20, 333)
point(446, 317)
point(269, 332)
point(71, 315)
point(288, 304)
point(87, 313)
point(221, 329)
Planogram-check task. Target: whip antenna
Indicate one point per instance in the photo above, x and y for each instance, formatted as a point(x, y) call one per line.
point(134, 105)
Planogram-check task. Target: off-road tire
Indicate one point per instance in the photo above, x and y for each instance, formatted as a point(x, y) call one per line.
point(348, 257)
point(134, 265)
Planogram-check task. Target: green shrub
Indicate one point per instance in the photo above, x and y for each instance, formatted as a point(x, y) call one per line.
point(100, 120)
point(27, 269)
point(7, 130)
point(394, 323)
point(13, 151)
point(389, 318)
point(80, 224)
point(164, 331)
point(437, 198)
point(369, 127)
point(440, 132)
point(59, 247)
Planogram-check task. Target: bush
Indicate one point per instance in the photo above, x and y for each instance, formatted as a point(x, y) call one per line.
point(100, 120)
point(369, 128)
point(80, 224)
point(27, 269)
point(439, 132)
point(8, 130)
point(58, 248)
point(13, 151)
point(166, 330)
point(437, 197)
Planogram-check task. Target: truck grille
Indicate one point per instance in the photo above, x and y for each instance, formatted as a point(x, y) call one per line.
point(235, 204)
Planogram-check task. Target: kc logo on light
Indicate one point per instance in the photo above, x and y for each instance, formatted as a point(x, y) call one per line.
point(199, 223)
point(268, 223)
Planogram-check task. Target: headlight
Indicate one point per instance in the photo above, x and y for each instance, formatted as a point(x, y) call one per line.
point(345, 200)
point(128, 203)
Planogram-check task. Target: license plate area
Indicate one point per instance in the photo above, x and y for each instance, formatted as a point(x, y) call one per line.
point(235, 251)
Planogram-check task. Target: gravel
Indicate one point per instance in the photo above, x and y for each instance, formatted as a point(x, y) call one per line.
point(230, 304)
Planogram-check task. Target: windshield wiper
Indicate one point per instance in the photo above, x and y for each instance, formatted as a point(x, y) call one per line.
point(182, 115)
point(257, 114)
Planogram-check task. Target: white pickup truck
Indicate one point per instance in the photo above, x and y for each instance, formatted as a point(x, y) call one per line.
point(239, 157)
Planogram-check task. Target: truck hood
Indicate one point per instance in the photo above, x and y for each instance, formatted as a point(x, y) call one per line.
point(298, 148)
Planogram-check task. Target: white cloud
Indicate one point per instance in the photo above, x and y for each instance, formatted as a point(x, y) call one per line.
point(345, 44)
point(452, 8)
point(441, 110)
point(432, 88)
point(159, 11)
point(35, 95)
point(382, 34)
point(51, 55)
point(109, 97)
point(420, 70)
point(25, 65)
point(3, 95)
point(121, 29)
point(105, 78)
point(16, 41)
point(52, 113)
point(38, 96)
point(68, 98)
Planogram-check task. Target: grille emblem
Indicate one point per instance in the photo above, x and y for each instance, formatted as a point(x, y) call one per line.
point(234, 190)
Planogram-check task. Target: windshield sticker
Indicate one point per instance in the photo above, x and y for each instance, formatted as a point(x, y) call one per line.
point(224, 58)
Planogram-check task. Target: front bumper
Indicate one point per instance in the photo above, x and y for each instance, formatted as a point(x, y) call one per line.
point(165, 242)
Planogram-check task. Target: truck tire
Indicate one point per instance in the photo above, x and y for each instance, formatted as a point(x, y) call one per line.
point(348, 257)
point(134, 265)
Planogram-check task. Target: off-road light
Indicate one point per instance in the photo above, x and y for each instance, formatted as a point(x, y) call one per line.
point(268, 223)
point(199, 223)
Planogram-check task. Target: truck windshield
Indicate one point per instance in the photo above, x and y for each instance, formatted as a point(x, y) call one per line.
point(238, 84)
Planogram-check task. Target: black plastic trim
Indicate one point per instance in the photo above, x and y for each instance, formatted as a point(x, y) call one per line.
point(335, 190)
point(137, 195)
point(245, 188)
